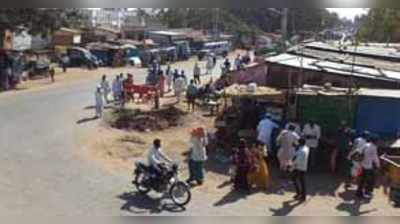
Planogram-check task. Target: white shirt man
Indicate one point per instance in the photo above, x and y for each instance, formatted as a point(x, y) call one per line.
point(301, 158)
point(156, 157)
point(116, 89)
point(359, 143)
point(287, 140)
point(198, 149)
point(179, 87)
point(264, 130)
point(312, 134)
point(99, 102)
point(371, 159)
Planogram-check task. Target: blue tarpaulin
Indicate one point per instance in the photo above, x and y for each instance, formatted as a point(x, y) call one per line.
point(378, 115)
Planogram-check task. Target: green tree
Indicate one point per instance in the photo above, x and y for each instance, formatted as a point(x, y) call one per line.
point(380, 25)
point(39, 21)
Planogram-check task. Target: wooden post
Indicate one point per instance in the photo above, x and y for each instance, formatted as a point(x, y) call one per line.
point(157, 100)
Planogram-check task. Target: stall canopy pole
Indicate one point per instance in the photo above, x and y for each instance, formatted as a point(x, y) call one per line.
point(289, 92)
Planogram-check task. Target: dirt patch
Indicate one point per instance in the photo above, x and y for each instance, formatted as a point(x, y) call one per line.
point(118, 148)
point(146, 121)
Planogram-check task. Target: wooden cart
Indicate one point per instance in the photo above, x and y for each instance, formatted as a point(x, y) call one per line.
point(392, 168)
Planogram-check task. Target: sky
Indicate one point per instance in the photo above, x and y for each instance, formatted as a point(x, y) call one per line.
point(348, 13)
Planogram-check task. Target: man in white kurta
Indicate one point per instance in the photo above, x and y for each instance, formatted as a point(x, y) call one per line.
point(179, 87)
point(287, 140)
point(99, 102)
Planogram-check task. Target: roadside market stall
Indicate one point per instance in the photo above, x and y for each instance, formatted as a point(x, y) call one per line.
point(391, 164)
point(244, 106)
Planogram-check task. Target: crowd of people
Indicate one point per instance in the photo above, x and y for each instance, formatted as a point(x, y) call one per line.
point(298, 153)
point(158, 82)
point(298, 150)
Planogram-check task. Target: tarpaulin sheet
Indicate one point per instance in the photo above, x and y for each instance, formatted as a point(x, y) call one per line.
point(378, 115)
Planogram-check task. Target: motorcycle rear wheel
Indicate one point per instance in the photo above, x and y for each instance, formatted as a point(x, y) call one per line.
point(180, 193)
point(140, 177)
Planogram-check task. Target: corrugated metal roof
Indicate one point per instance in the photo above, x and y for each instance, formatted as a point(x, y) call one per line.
point(334, 67)
point(389, 53)
point(167, 33)
point(346, 58)
point(379, 93)
point(74, 31)
point(335, 91)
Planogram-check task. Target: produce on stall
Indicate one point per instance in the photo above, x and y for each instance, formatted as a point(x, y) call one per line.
point(244, 107)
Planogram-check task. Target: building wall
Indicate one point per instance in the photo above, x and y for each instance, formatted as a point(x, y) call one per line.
point(64, 39)
point(327, 111)
point(256, 74)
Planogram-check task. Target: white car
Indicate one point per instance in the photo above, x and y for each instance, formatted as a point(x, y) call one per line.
point(135, 61)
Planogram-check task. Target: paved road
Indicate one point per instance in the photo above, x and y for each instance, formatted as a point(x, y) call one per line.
point(41, 164)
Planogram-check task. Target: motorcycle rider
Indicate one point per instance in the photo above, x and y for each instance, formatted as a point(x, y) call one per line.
point(157, 160)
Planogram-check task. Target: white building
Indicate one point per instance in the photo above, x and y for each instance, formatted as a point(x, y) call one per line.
point(111, 17)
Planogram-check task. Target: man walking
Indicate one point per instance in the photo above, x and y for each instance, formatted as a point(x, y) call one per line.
point(198, 156)
point(312, 134)
point(369, 163)
point(300, 163)
point(196, 74)
point(99, 106)
point(287, 140)
point(264, 132)
point(105, 85)
point(65, 62)
point(191, 94)
point(116, 89)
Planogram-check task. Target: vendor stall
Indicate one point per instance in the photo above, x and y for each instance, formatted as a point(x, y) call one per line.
point(244, 107)
point(391, 164)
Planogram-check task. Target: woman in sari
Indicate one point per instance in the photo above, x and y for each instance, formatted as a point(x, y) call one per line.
point(259, 175)
point(243, 162)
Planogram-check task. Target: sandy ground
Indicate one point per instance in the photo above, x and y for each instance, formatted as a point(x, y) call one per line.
point(119, 149)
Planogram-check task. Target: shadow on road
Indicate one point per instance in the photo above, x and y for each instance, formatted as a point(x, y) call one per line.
point(142, 204)
point(93, 107)
point(286, 209)
point(352, 205)
point(84, 120)
point(232, 197)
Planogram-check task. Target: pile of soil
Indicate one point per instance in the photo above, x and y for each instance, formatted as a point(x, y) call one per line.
point(145, 121)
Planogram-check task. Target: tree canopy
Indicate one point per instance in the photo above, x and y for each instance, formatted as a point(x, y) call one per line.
point(380, 25)
point(38, 20)
point(248, 21)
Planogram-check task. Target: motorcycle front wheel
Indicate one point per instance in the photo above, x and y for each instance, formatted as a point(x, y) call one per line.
point(180, 194)
point(140, 185)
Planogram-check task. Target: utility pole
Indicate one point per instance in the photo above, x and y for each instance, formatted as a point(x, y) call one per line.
point(284, 23)
point(216, 20)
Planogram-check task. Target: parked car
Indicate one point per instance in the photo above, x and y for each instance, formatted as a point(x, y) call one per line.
point(147, 56)
point(81, 57)
point(220, 48)
point(168, 54)
point(183, 50)
point(132, 56)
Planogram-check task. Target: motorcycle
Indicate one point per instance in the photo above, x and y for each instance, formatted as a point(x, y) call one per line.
point(145, 181)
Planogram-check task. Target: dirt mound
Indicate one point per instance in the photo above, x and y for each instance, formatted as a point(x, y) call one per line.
point(145, 121)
